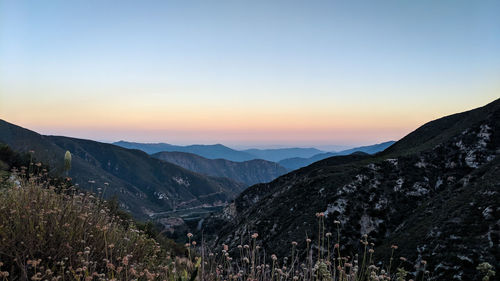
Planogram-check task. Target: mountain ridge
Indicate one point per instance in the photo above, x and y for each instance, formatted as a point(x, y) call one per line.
point(213, 151)
point(291, 158)
point(299, 162)
point(248, 172)
point(278, 154)
point(437, 199)
point(144, 185)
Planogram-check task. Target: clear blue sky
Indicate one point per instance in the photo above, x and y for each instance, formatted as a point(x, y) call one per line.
point(245, 72)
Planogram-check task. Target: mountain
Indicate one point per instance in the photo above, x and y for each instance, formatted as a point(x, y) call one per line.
point(219, 151)
point(299, 162)
point(215, 151)
point(435, 194)
point(149, 148)
point(369, 149)
point(290, 158)
point(247, 172)
point(143, 184)
point(279, 154)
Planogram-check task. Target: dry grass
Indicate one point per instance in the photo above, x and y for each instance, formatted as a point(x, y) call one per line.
point(318, 260)
point(66, 235)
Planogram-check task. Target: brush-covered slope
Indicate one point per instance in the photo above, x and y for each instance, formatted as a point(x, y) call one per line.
point(144, 185)
point(247, 172)
point(52, 225)
point(435, 193)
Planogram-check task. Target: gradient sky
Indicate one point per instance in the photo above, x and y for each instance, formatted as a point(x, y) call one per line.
point(245, 73)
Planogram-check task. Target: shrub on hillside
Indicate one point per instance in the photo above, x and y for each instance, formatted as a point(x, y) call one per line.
point(48, 235)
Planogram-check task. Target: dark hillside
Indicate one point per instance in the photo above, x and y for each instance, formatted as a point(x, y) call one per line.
point(435, 193)
point(144, 185)
point(248, 172)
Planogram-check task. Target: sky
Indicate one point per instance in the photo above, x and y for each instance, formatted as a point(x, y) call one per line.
point(245, 73)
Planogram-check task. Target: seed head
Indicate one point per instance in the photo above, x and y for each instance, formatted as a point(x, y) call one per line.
point(67, 161)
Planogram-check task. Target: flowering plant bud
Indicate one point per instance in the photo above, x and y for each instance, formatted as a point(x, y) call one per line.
point(67, 161)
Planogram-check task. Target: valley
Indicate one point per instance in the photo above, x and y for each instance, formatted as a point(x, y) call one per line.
point(419, 193)
point(249, 140)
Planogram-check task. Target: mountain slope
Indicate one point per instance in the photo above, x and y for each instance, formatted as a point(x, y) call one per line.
point(215, 151)
point(370, 149)
point(144, 185)
point(434, 193)
point(219, 151)
point(279, 154)
point(298, 162)
point(247, 172)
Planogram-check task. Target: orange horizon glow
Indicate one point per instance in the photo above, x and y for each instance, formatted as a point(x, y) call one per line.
point(231, 126)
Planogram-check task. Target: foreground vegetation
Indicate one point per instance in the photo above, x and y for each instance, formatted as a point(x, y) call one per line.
point(50, 232)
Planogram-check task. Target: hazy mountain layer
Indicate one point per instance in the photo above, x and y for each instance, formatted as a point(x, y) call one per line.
point(247, 172)
point(299, 162)
point(290, 158)
point(215, 151)
point(279, 154)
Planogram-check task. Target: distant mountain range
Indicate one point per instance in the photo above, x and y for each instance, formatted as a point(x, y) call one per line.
point(144, 185)
point(148, 184)
point(435, 194)
point(247, 172)
point(290, 158)
point(299, 162)
point(279, 154)
point(215, 151)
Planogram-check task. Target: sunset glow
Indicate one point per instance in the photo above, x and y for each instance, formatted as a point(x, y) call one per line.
point(245, 73)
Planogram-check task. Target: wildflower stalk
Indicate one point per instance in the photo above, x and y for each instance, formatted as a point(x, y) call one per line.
point(67, 162)
point(338, 241)
point(362, 269)
point(254, 246)
point(189, 235)
point(328, 246)
point(272, 271)
point(319, 235)
point(423, 270)
point(390, 261)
